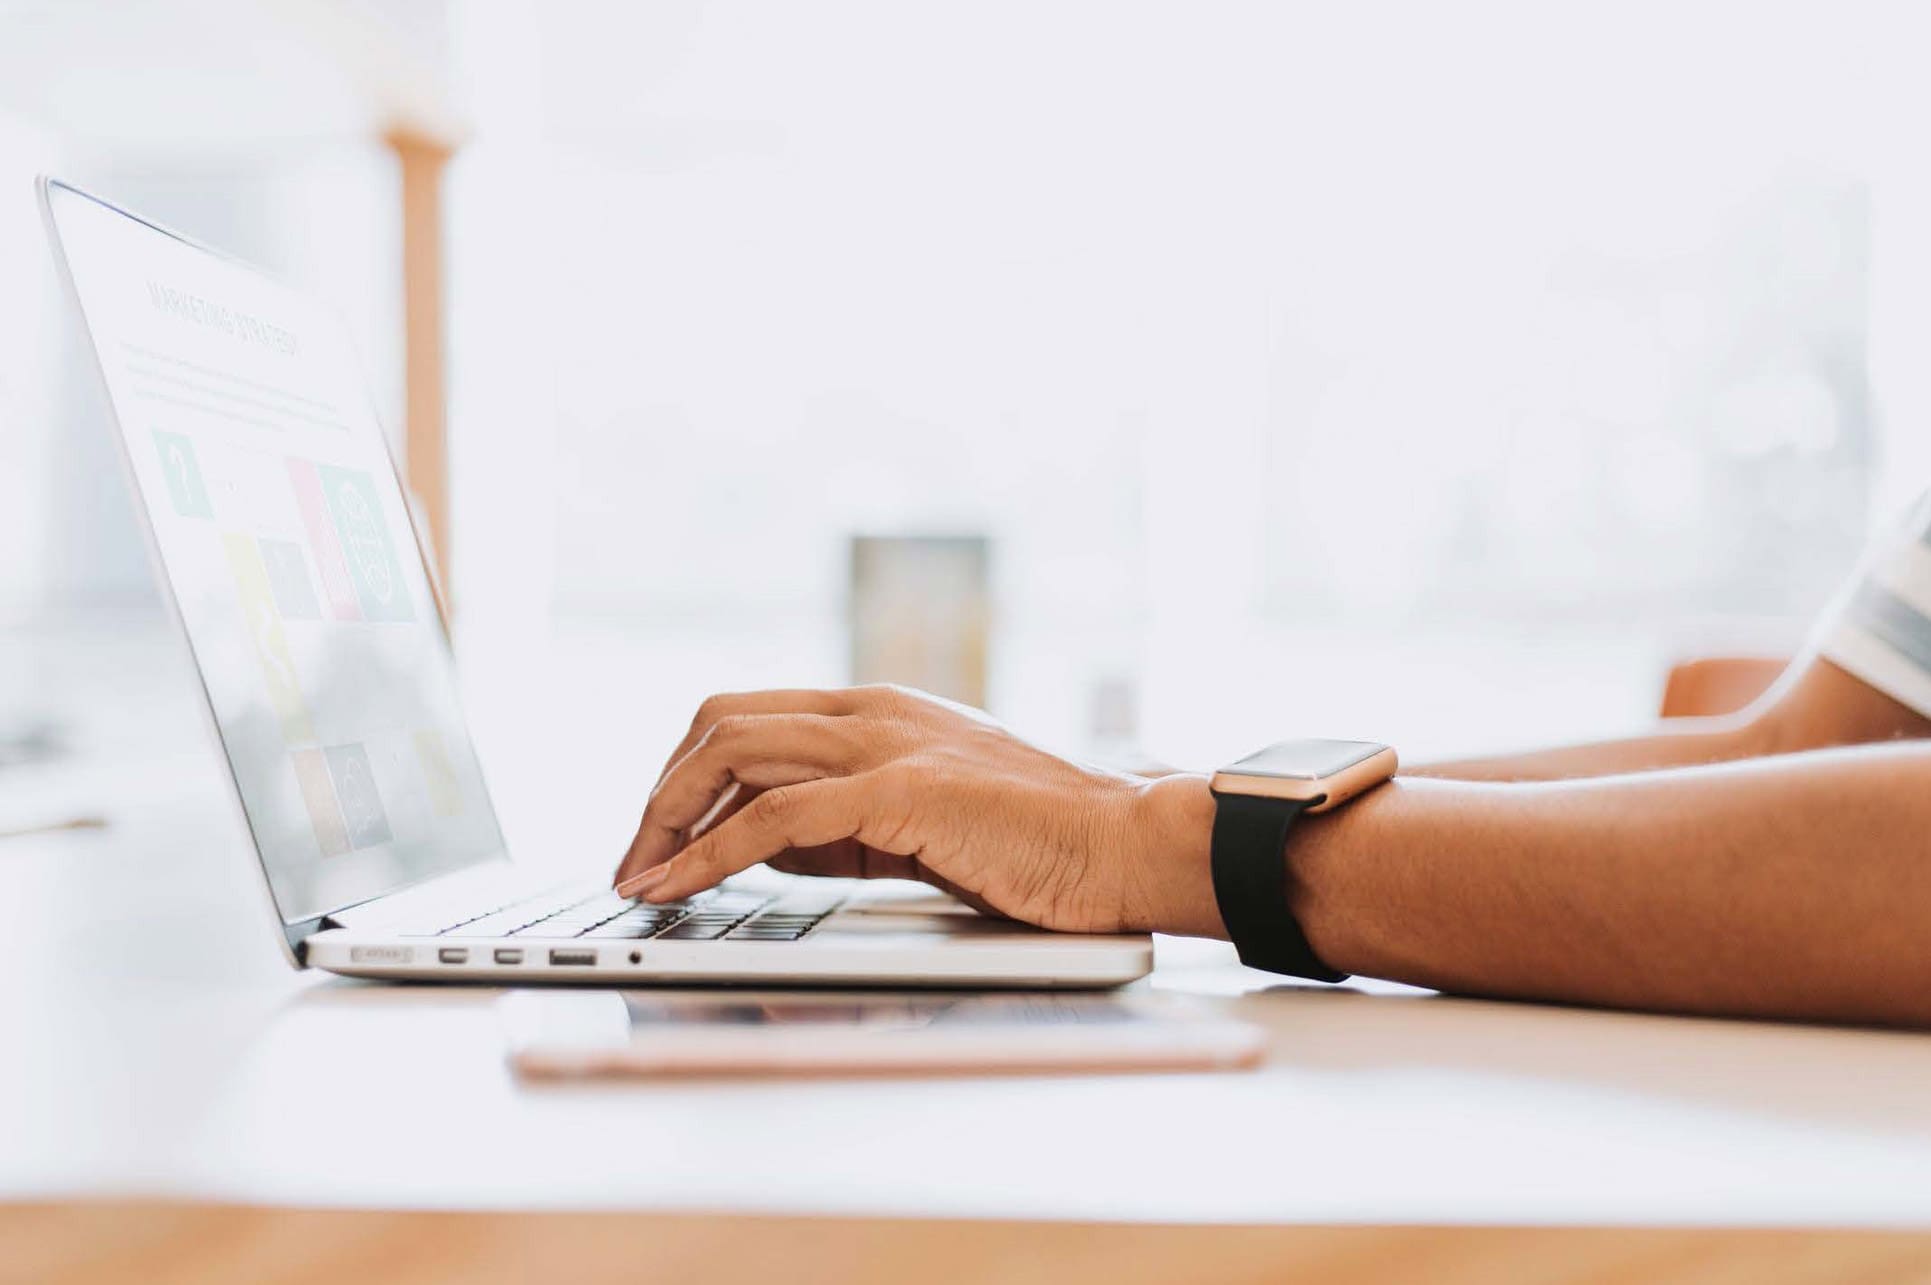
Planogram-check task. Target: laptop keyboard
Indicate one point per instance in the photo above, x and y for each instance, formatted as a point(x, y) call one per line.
point(724, 915)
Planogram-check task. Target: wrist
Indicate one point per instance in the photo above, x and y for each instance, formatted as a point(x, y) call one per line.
point(1171, 889)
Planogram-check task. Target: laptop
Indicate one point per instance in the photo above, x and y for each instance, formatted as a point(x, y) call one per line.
point(290, 559)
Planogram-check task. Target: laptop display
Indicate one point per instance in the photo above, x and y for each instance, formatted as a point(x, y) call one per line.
point(289, 553)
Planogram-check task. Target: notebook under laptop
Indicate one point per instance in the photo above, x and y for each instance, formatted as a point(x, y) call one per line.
point(283, 543)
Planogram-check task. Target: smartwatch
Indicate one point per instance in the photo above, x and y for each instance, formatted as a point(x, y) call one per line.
point(1256, 801)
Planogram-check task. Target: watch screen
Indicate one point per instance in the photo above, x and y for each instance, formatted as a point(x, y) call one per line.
point(1308, 760)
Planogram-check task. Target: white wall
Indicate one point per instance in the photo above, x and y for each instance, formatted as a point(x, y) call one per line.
point(1162, 297)
point(1220, 318)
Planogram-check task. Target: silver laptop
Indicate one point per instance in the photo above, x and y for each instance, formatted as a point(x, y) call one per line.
point(283, 542)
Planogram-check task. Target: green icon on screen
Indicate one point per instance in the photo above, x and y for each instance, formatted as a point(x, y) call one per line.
point(371, 553)
point(183, 472)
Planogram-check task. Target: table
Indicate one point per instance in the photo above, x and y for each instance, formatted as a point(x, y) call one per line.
point(163, 1063)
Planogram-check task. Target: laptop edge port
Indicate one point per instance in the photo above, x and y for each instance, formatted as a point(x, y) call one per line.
point(509, 956)
point(453, 955)
point(577, 958)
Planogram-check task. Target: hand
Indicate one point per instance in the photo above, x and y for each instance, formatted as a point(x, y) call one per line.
point(883, 782)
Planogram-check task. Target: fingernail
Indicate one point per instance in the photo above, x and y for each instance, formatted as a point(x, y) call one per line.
point(639, 884)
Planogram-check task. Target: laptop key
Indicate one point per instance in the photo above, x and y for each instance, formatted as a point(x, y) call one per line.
point(764, 925)
point(688, 931)
point(555, 919)
point(609, 903)
point(737, 902)
point(503, 921)
point(499, 924)
point(615, 929)
point(550, 929)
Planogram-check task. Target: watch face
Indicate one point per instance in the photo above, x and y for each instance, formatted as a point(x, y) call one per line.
point(1308, 760)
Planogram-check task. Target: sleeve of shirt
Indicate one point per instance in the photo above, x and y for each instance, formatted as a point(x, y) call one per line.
point(1881, 630)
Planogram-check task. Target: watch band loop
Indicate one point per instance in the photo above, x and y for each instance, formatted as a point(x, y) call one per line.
point(1250, 885)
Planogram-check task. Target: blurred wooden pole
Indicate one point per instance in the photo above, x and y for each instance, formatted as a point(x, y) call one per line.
point(421, 159)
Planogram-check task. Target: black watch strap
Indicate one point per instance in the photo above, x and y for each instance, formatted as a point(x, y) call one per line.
point(1250, 884)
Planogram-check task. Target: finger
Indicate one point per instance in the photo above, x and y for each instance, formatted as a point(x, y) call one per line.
point(730, 802)
point(794, 816)
point(725, 704)
point(728, 805)
point(751, 739)
point(757, 750)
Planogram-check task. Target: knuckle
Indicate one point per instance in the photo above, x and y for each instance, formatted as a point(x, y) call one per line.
point(878, 695)
point(726, 729)
point(847, 748)
point(775, 809)
point(697, 861)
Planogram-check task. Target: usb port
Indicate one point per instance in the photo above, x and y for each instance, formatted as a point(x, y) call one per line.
point(508, 956)
point(453, 954)
point(575, 957)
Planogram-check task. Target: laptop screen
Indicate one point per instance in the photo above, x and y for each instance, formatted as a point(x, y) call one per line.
point(283, 535)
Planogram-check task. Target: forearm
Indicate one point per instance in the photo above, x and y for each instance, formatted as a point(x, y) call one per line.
point(1685, 742)
point(1796, 886)
point(1814, 706)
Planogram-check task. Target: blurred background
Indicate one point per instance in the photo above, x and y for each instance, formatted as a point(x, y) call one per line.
point(1212, 372)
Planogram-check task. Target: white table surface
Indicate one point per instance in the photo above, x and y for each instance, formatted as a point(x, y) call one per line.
point(153, 1042)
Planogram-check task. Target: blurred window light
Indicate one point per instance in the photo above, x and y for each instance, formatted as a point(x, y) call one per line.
point(1245, 328)
point(1597, 428)
point(1476, 312)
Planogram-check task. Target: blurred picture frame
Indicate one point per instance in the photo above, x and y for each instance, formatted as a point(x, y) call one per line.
point(920, 613)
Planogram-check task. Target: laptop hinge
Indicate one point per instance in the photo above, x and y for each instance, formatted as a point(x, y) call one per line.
point(297, 935)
